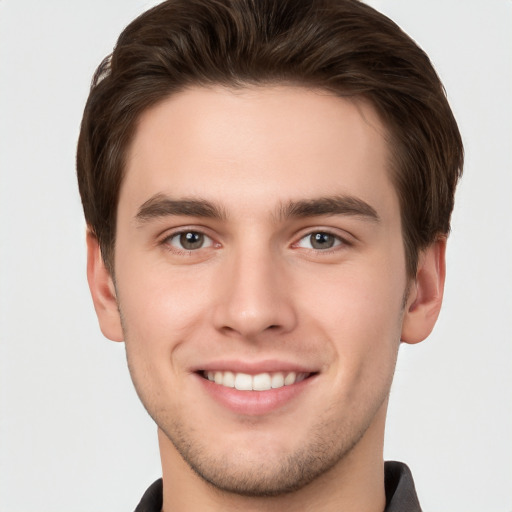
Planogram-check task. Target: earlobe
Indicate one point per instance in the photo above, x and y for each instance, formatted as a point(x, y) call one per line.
point(103, 291)
point(426, 294)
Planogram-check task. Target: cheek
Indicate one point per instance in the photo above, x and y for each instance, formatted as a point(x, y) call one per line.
point(155, 299)
point(357, 297)
point(158, 320)
point(160, 314)
point(360, 313)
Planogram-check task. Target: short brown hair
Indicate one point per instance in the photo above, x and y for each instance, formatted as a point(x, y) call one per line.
point(342, 46)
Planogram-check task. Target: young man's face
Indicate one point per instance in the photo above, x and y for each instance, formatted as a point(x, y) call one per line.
point(259, 244)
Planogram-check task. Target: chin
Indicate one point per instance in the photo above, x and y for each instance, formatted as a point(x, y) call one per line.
point(263, 471)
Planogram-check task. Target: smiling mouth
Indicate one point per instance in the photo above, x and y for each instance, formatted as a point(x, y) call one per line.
point(258, 382)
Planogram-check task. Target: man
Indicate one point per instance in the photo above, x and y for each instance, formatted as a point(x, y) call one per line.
point(268, 188)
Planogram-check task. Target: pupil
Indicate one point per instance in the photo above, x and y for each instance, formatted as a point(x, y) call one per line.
point(191, 240)
point(322, 241)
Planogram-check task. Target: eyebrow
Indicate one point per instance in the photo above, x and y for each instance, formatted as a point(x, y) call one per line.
point(162, 206)
point(335, 205)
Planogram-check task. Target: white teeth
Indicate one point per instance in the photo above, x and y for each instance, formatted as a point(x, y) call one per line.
point(259, 382)
point(229, 379)
point(243, 382)
point(277, 380)
point(289, 379)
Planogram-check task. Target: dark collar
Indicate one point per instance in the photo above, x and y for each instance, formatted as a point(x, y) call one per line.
point(153, 498)
point(400, 491)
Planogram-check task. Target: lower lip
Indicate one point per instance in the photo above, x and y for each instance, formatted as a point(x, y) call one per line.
point(254, 403)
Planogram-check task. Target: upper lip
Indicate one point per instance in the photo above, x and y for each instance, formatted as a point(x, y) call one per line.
point(254, 367)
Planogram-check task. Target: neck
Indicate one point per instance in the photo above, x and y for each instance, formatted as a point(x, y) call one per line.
point(355, 483)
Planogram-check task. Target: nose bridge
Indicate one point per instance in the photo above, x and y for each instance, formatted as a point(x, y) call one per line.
point(253, 296)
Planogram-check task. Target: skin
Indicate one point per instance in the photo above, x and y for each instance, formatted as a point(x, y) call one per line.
point(259, 291)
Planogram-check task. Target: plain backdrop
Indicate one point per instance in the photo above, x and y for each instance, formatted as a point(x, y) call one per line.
point(73, 436)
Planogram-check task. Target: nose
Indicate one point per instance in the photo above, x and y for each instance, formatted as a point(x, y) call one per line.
point(254, 296)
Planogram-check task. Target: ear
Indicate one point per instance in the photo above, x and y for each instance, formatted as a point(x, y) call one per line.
point(103, 291)
point(426, 294)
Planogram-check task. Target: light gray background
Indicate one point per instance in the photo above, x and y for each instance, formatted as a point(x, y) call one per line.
point(73, 436)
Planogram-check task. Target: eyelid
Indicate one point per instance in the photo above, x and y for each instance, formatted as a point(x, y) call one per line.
point(173, 233)
point(343, 240)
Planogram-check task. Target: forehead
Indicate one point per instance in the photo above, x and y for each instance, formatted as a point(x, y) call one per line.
point(266, 144)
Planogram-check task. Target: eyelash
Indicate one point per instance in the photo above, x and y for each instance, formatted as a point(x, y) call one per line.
point(339, 242)
point(167, 241)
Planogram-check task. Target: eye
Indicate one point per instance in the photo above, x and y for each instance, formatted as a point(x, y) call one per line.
point(189, 241)
point(319, 240)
